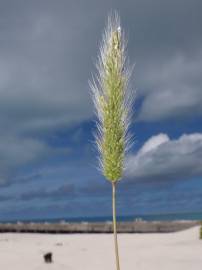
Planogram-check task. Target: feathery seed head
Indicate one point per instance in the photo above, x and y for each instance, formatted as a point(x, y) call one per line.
point(112, 100)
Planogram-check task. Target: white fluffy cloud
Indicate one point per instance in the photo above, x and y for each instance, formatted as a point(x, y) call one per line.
point(161, 158)
point(153, 143)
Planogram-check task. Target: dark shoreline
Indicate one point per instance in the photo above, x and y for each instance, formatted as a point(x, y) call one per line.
point(98, 227)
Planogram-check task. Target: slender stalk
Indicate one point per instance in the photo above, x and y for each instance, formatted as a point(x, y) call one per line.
point(114, 225)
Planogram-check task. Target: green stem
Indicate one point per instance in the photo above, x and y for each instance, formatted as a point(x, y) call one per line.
point(114, 224)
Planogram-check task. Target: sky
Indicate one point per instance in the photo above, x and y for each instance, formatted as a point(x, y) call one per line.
point(48, 160)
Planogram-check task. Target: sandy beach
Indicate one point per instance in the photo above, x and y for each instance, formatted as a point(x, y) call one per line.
point(173, 251)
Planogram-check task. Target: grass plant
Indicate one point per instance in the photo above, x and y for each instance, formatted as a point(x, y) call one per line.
point(113, 101)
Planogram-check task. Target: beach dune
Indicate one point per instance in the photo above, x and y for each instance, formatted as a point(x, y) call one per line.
point(173, 251)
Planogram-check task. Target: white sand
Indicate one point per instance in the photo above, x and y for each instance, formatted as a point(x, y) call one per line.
point(174, 251)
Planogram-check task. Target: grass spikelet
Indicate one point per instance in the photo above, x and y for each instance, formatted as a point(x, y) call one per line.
point(112, 100)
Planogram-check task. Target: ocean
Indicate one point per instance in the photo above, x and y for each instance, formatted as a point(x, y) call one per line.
point(149, 217)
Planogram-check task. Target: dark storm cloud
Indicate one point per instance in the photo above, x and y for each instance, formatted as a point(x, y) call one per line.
point(4, 198)
point(41, 86)
point(166, 42)
point(47, 49)
point(175, 90)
